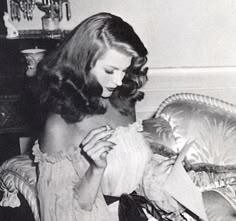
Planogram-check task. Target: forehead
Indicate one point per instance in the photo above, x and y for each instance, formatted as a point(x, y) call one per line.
point(113, 57)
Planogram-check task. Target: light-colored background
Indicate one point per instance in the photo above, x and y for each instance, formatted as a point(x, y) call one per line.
point(177, 33)
point(191, 43)
point(218, 82)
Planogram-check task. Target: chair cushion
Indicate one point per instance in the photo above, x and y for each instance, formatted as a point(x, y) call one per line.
point(18, 174)
point(211, 123)
point(207, 121)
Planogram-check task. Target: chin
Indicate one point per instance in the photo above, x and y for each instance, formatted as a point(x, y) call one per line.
point(106, 94)
point(106, 97)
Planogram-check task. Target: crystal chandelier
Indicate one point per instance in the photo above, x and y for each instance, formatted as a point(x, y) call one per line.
point(52, 8)
point(24, 6)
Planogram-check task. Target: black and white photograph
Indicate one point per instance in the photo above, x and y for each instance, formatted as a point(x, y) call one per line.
point(116, 110)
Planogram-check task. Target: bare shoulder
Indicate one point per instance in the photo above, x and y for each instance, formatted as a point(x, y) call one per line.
point(55, 136)
point(59, 135)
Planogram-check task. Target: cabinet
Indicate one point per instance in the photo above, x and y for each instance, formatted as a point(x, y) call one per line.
point(14, 85)
point(14, 120)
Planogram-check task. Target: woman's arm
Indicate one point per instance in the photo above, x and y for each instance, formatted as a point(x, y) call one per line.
point(86, 191)
point(94, 148)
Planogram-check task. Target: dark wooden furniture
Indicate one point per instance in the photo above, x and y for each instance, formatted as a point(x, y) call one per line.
point(14, 84)
point(14, 121)
point(13, 97)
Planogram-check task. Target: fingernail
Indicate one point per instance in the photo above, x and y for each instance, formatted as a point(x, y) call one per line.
point(110, 132)
point(108, 136)
point(108, 127)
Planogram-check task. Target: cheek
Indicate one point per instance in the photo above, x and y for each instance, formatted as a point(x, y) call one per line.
point(119, 77)
point(103, 79)
point(97, 74)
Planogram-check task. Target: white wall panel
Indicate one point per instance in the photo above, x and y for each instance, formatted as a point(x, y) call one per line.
point(183, 33)
point(216, 82)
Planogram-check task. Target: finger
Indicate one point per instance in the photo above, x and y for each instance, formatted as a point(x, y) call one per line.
point(100, 135)
point(97, 131)
point(102, 152)
point(108, 136)
point(93, 132)
point(99, 145)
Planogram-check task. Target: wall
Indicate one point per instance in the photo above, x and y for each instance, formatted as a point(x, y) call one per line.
point(192, 46)
point(177, 33)
point(138, 13)
point(218, 82)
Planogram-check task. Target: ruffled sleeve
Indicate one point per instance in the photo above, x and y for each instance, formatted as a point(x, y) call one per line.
point(59, 174)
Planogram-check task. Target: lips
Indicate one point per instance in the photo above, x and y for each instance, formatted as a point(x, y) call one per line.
point(110, 89)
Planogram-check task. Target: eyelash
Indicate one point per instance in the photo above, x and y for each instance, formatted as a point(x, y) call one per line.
point(109, 72)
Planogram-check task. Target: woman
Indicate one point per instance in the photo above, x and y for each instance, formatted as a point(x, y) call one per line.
point(89, 152)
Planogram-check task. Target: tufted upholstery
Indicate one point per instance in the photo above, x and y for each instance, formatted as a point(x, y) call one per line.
point(18, 175)
point(211, 123)
point(211, 161)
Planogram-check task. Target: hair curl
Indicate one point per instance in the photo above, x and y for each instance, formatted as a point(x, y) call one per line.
point(64, 83)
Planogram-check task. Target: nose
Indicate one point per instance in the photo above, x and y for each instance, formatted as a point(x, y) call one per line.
point(118, 77)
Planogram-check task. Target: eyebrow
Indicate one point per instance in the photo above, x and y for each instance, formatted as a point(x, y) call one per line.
point(110, 66)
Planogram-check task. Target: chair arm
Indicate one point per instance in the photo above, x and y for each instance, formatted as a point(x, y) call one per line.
point(211, 123)
point(18, 175)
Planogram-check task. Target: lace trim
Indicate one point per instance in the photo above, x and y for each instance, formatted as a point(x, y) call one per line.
point(72, 154)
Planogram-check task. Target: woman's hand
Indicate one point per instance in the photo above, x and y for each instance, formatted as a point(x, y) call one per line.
point(95, 146)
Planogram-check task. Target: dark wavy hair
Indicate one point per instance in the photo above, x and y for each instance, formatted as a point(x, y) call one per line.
point(65, 85)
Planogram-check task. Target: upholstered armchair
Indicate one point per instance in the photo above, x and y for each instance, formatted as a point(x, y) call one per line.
point(18, 176)
point(211, 161)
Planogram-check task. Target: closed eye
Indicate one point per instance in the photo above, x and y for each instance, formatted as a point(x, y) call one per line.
point(109, 71)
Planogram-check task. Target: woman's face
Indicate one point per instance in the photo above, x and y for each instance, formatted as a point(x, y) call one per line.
point(110, 70)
